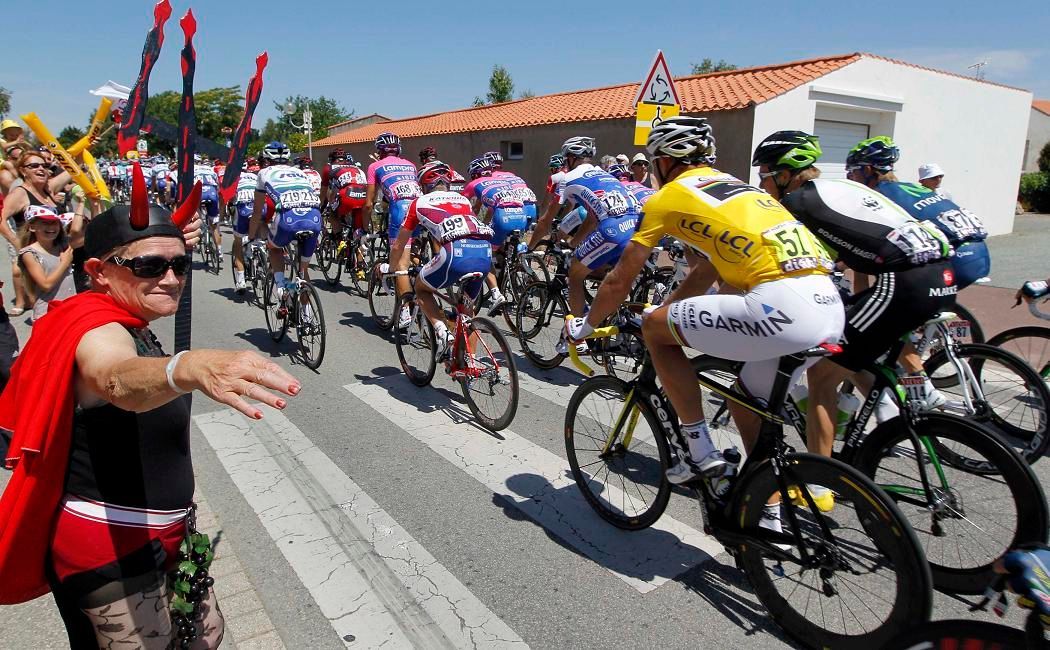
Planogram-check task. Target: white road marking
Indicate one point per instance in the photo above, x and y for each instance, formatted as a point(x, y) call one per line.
point(369, 577)
point(539, 484)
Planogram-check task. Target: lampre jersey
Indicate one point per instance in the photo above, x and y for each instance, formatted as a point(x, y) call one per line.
point(396, 177)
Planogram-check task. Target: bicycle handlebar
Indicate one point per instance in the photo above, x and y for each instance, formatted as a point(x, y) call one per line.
point(600, 333)
point(1033, 307)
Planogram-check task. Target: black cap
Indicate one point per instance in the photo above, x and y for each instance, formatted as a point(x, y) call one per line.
point(112, 229)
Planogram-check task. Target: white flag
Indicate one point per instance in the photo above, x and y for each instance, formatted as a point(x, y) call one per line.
point(113, 90)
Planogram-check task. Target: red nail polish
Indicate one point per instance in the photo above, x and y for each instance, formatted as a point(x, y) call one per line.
point(280, 404)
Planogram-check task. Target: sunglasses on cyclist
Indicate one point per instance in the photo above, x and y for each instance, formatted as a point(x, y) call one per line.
point(764, 175)
point(153, 266)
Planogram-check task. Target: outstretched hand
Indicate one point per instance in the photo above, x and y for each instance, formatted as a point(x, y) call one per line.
point(233, 378)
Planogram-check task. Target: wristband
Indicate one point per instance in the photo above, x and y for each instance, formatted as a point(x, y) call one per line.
point(169, 372)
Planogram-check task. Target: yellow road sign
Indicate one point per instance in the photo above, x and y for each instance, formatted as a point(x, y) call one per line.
point(648, 116)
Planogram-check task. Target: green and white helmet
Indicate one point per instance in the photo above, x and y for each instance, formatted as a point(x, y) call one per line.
point(787, 150)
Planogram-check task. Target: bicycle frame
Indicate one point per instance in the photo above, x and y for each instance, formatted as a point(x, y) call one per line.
point(941, 331)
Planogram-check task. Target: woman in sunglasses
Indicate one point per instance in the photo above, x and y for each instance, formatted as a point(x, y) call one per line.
point(101, 493)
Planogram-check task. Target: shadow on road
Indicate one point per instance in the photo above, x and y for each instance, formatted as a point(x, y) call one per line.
point(260, 338)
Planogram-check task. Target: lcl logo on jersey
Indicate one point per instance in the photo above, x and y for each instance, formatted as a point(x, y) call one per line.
point(735, 248)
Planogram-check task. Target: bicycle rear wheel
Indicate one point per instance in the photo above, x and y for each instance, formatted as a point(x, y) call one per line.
point(381, 297)
point(619, 470)
point(972, 518)
point(867, 581)
point(275, 323)
point(214, 255)
point(540, 319)
point(310, 327)
point(1031, 343)
point(1015, 401)
point(327, 258)
point(488, 377)
point(417, 347)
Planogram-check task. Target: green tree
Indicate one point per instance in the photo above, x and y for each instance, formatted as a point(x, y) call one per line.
point(709, 65)
point(70, 134)
point(501, 86)
point(1044, 159)
point(478, 101)
point(526, 94)
point(5, 101)
point(296, 142)
point(326, 112)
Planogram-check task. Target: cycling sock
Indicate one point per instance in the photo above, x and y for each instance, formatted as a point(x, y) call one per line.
point(700, 445)
point(496, 295)
point(238, 276)
point(770, 519)
point(886, 409)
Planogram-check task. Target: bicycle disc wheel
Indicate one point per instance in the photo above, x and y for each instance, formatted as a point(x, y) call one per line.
point(1015, 397)
point(381, 298)
point(621, 475)
point(1031, 343)
point(972, 518)
point(311, 327)
point(864, 584)
point(488, 377)
point(275, 324)
point(540, 319)
point(961, 633)
point(417, 348)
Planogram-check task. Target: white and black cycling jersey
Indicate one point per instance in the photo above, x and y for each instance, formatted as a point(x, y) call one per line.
point(870, 233)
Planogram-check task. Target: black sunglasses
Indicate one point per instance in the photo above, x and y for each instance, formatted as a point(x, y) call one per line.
point(153, 266)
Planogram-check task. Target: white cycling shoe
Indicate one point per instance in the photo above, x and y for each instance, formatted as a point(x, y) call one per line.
point(686, 470)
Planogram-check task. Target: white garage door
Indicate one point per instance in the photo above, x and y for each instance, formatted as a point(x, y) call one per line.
point(836, 139)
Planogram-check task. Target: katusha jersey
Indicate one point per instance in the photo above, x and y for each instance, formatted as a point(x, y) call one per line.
point(640, 192)
point(396, 177)
point(447, 216)
point(518, 183)
point(206, 175)
point(603, 195)
point(494, 192)
point(746, 234)
point(246, 184)
point(287, 188)
point(958, 224)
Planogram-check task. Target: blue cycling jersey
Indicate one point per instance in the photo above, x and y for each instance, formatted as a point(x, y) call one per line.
point(958, 224)
point(603, 195)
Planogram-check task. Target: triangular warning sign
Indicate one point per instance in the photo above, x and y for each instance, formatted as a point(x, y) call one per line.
point(658, 87)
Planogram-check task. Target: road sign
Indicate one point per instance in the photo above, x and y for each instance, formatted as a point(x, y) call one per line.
point(658, 87)
point(648, 116)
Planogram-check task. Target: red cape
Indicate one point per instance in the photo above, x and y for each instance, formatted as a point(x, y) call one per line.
point(37, 408)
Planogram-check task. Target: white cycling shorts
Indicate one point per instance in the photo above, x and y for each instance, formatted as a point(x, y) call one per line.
point(773, 319)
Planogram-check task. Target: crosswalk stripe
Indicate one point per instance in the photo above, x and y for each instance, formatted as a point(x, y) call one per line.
point(540, 485)
point(367, 574)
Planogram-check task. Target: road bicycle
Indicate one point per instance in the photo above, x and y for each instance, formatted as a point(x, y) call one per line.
point(256, 268)
point(967, 494)
point(208, 247)
point(1030, 342)
point(478, 357)
point(299, 309)
point(853, 577)
point(514, 269)
point(351, 252)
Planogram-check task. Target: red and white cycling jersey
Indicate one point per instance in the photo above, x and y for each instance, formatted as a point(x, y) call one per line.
point(339, 176)
point(447, 216)
point(314, 178)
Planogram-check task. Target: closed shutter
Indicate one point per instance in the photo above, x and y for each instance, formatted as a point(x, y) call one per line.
point(836, 139)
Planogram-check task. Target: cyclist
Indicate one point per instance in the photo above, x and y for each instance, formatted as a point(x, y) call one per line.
point(610, 223)
point(528, 197)
point(244, 204)
point(284, 194)
point(159, 173)
point(641, 193)
point(463, 239)
point(871, 235)
point(429, 154)
point(306, 166)
point(253, 165)
point(552, 207)
point(344, 187)
point(505, 208)
point(205, 174)
point(871, 163)
point(788, 302)
point(1028, 568)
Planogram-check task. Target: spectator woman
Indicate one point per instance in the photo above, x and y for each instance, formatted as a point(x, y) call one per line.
point(46, 258)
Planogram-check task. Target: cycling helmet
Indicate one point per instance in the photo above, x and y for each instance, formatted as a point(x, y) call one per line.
point(276, 153)
point(494, 157)
point(427, 153)
point(432, 173)
point(388, 143)
point(336, 154)
point(479, 167)
point(303, 162)
point(688, 139)
point(581, 145)
point(619, 172)
point(557, 161)
point(879, 152)
point(787, 150)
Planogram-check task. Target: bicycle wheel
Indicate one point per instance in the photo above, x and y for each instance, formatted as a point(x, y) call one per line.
point(1031, 343)
point(310, 327)
point(540, 319)
point(381, 298)
point(655, 288)
point(621, 355)
point(328, 259)
point(972, 518)
point(487, 375)
point(866, 581)
point(1015, 398)
point(260, 272)
point(961, 633)
point(275, 323)
point(621, 472)
point(214, 261)
point(417, 347)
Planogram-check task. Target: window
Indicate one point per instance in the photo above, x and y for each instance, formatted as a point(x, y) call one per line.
point(836, 139)
point(513, 150)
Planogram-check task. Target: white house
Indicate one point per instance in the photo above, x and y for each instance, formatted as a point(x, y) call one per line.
point(1038, 134)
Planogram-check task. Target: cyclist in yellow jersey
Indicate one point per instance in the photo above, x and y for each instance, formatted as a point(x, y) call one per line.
point(751, 242)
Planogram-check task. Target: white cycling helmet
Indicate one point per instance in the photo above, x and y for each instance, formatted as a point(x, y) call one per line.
point(581, 145)
point(276, 153)
point(690, 139)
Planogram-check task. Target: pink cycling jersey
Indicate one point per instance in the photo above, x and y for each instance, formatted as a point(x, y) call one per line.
point(396, 176)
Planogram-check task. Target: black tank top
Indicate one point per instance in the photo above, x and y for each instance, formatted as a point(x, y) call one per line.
point(140, 460)
point(20, 217)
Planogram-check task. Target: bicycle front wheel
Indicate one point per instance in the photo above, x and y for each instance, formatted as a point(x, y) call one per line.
point(1031, 343)
point(311, 327)
point(381, 297)
point(417, 347)
point(970, 518)
point(865, 580)
point(276, 322)
point(617, 453)
point(487, 375)
point(540, 320)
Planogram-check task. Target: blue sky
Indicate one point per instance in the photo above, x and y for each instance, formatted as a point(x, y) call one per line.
point(404, 58)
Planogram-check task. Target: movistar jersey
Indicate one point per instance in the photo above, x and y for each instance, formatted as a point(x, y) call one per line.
point(958, 224)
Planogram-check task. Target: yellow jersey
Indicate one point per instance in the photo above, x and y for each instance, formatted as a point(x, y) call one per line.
point(744, 232)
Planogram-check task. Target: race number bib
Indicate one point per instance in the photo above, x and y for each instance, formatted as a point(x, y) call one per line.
point(404, 190)
point(298, 198)
point(795, 248)
point(962, 224)
point(506, 197)
point(921, 243)
point(615, 204)
point(526, 195)
point(460, 226)
point(246, 196)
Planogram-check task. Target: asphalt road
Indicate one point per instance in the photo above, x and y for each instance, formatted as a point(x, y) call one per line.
point(373, 512)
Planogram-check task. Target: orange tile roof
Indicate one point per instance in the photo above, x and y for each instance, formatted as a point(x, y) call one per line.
point(1042, 105)
point(717, 91)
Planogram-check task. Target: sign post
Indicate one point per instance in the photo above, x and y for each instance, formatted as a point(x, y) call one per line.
point(656, 100)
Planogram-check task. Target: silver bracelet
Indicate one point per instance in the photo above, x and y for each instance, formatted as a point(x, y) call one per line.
point(169, 371)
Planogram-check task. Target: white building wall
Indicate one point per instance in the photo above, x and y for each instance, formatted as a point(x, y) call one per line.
point(975, 131)
point(1038, 136)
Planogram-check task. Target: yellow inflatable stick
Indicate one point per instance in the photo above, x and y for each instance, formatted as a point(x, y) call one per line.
point(61, 155)
point(95, 130)
point(96, 176)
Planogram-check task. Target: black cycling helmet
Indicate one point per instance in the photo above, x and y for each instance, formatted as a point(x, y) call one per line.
point(879, 152)
point(427, 153)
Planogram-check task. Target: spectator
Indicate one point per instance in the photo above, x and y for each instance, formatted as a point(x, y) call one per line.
point(9, 178)
point(931, 175)
point(622, 159)
point(640, 170)
point(607, 162)
point(46, 258)
point(10, 131)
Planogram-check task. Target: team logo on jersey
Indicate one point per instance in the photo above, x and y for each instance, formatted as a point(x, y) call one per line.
point(949, 277)
point(871, 202)
point(733, 248)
